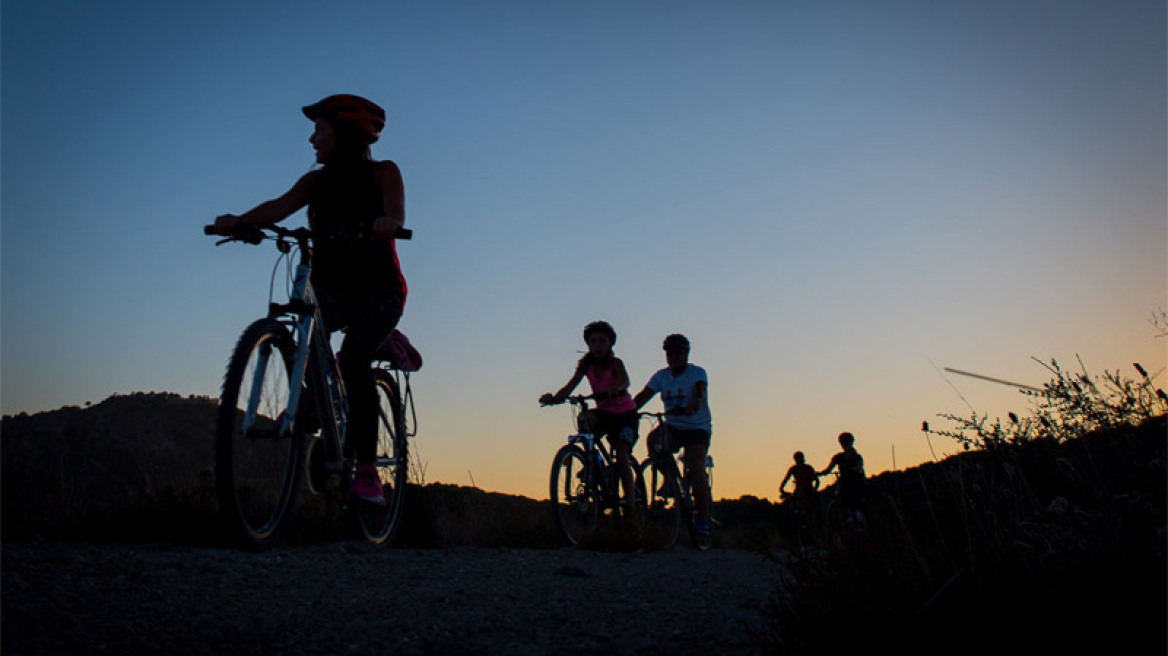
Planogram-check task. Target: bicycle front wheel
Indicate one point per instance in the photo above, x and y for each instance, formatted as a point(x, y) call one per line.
point(663, 502)
point(576, 507)
point(379, 524)
point(257, 457)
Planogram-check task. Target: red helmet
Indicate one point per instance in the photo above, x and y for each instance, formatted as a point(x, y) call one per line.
point(345, 109)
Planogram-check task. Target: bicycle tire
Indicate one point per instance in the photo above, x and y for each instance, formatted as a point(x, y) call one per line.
point(257, 467)
point(662, 486)
point(379, 524)
point(576, 506)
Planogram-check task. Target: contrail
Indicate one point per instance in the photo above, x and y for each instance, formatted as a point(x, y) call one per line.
point(994, 380)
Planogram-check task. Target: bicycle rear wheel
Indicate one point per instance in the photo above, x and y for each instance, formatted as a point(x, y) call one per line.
point(576, 507)
point(379, 524)
point(257, 459)
point(663, 502)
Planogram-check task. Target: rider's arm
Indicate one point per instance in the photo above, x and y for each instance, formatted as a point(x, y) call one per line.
point(785, 479)
point(559, 396)
point(830, 466)
point(272, 211)
point(699, 394)
point(393, 192)
point(643, 397)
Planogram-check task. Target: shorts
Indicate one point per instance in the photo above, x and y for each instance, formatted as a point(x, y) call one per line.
point(616, 426)
point(685, 437)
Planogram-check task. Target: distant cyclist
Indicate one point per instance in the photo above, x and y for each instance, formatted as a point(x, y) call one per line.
point(684, 391)
point(355, 206)
point(805, 477)
point(852, 479)
point(614, 416)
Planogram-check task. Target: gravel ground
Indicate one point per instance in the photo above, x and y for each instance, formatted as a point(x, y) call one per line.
point(345, 598)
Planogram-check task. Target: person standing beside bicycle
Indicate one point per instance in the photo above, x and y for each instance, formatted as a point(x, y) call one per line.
point(852, 479)
point(355, 206)
point(684, 392)
point(614, 416)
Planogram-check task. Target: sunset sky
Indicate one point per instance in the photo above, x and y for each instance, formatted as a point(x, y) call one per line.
point(833, 200)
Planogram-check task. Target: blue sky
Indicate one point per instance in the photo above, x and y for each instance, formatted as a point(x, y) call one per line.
point(832, 199)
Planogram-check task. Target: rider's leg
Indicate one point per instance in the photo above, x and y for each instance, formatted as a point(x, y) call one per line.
point(622, 450)
point(695, 465)
point(373, 319)
point(653, 440)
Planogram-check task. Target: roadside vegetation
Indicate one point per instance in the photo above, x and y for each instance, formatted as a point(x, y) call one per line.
point(1047, 533)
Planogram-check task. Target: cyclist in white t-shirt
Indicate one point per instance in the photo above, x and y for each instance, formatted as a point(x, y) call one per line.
point(683, 388)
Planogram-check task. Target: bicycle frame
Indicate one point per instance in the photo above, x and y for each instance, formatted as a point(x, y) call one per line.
point(593, 446)
point(314, 363)
point(663, 459)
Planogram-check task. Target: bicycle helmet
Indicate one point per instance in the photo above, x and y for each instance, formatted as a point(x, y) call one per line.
point(676, 342)
point(352, 112)
point(601, 327)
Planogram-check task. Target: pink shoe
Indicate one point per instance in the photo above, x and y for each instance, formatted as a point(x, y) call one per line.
point(367, 485)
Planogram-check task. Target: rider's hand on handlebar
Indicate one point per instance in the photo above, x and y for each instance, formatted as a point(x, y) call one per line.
point(225, 224)
point(550, 399)
point(384, 228)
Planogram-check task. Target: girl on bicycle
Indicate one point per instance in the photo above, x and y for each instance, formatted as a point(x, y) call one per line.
point(615, 416)
point(355, 206)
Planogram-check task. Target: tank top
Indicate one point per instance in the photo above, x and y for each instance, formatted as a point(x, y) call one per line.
point(605, 380)
point(342, 208)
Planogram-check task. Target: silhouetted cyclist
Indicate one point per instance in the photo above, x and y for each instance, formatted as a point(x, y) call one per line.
point(853, 481)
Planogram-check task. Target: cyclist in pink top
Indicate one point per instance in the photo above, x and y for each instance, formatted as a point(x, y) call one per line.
point(615, 414)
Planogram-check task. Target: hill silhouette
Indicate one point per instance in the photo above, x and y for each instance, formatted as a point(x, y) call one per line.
point(140, 467)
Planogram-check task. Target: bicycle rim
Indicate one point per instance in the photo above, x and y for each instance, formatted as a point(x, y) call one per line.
point(663, 504)
point(576, 508)
point(379, 524)
point(257, 461)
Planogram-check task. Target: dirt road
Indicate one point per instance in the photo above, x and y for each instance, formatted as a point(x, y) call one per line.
point(344, 598)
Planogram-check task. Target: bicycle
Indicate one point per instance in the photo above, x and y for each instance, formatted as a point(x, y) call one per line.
point(263, 425)
point(797, 513)
point(669, 495)
point(584, 482)
point(837, 519)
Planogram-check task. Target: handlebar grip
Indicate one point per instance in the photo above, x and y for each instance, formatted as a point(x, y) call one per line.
point(403, 234)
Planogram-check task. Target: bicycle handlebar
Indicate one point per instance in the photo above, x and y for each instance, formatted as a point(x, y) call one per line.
point(252, 233)
point(575, 399)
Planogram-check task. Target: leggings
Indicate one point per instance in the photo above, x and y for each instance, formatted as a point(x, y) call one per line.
point(367, 319)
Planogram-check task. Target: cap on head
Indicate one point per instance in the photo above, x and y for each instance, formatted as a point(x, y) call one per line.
point(352, 112)
point(600, 327)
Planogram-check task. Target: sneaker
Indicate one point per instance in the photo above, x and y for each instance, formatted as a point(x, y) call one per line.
point(367, 485)
point(701, 525)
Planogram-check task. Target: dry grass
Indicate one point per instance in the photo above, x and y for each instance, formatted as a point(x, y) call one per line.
point(1049, 534)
